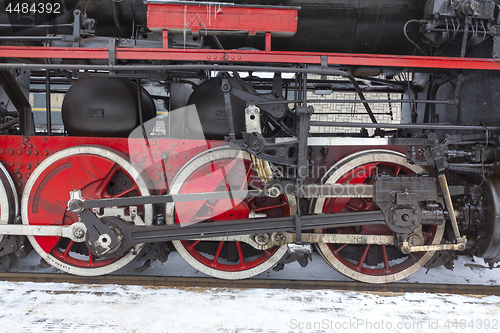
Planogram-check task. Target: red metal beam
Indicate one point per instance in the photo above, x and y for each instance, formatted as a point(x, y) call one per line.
point(196, 16)
point(237, 56)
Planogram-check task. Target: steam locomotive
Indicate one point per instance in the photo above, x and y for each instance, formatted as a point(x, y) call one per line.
point(221, 130)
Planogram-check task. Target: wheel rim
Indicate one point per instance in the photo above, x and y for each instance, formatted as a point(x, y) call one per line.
point(222, 169)
point(9, 206)
point(371, 263)
point(98, 173)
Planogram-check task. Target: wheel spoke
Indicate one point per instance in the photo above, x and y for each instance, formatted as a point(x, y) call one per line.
point(125, 192)
point(427, 234)
point(193, 244)
point(91, 258)
point(101, 189)
point(215, 261)
point(245, 181)
point(283, 204)
point(387, 269)
point(228, 187)
point(68, 248)
point(363, 256)
point(240, 254)
point(352, 207)
point(340, 248)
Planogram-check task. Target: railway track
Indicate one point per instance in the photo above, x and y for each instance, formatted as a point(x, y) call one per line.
point(190, 282)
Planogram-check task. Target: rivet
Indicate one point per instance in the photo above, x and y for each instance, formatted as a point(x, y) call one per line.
point(208, 57)
point(169, 169)
point(176, 169)
point(23, 145)
point(19, 166)
point(30, 145)
point(144, 155)
point(19, 152)
point(153, 142)
point(155, 156)
point(28, 175)
point(26, 139)
point(27, 152)
point(152, 168)
point(28, 166)
point(11, 152)
point(35, 153)
point(19, 185)
point(174, 156)
point(2, 151)
point(157, 177)
point(45, 153)
point(159, 168)
point(19, 175)
point(11, 164)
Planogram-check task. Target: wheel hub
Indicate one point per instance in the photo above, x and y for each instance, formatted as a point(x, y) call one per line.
point(230, 210)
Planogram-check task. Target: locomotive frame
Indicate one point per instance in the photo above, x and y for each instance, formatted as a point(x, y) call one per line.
point(411, 191)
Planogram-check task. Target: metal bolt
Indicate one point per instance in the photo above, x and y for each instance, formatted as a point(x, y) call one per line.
point(279, 238)
point(78, 233)
point(262, 239)
point(405, 248)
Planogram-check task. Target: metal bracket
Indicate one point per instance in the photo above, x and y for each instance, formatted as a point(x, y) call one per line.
point(277, 111)
point(75, 232)
point(284, 153)
point(112, 51)
point(76, 27)
point(226, 88)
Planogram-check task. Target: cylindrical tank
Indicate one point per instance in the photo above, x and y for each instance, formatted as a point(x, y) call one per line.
point(209, 100)
point(104, 107)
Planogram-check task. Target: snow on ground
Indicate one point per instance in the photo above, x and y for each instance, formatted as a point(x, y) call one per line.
point(50, 307)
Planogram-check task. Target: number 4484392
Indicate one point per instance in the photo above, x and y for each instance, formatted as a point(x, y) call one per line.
point(33, 8)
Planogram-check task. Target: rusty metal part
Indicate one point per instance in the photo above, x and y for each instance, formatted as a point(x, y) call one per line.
point(461, 241)
point(281, 238)
point(407, 248)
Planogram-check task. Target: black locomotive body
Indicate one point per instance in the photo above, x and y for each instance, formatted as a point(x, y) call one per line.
point(222, 130)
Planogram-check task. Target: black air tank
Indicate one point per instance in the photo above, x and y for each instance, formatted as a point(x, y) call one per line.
point(104, 107)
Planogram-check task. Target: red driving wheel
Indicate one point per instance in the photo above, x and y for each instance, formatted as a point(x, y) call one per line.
point(224, 170)
point(371, 263)
point(100, 174)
